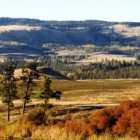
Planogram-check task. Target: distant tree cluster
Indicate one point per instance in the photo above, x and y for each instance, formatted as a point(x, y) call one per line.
point(16, 63)
point(101, 70)
point(60, 65)
point(106, 70)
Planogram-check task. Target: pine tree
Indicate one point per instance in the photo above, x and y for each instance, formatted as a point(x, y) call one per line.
point(47, 93)
point(29, 74)
point(8, 88)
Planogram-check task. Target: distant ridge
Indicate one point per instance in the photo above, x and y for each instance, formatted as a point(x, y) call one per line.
point(95, 32)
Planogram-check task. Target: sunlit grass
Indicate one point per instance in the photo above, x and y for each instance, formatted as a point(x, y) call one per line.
point(52, 133)
point(98, 91)
point(95, 91)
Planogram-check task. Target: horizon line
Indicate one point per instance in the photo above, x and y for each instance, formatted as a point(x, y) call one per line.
point(70, 19)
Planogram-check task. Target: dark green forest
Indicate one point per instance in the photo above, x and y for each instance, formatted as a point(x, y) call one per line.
point(101, 70)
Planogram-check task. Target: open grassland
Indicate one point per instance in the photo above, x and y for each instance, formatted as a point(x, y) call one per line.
point(17, 27)
point(90, 91)
point(86, 91)
point(102, 57)
point(126, 30)
point(94, 57)
point(26, 130)
point(98, 91)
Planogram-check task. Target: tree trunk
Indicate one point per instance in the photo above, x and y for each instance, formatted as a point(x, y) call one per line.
point(23, 108)
point(8, 115)
point(26, 94)
point(45, 108)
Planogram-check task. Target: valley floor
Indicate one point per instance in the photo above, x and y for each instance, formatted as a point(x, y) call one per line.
point(80, 98)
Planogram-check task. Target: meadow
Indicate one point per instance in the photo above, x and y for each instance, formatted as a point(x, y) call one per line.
point(98, 91)
point(77, 92)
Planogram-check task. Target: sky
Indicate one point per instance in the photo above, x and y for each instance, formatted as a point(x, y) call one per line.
point(108, 10)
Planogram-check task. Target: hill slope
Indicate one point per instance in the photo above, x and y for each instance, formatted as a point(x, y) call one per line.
point(27, 36)
point(45, 71)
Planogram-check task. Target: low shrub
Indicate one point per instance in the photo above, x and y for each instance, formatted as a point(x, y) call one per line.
point(67, 117)
point(36, 116)
point(119, 120)
point(128, 123)
point(77, 127)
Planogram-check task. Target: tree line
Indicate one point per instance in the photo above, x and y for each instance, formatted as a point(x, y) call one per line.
point(102, 70)
point(106, 70)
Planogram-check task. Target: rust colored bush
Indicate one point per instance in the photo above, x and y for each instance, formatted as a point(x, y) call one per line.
point(121, 120)
point(77, 127)
point(121, 126)
point(102, 121)
point(73, 126)
point(67, 117)
point(127, 105)
point(85, 125)
point(60, 124)
point(128, 123)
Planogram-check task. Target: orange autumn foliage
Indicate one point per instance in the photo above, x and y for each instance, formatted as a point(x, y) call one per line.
point(121, 120)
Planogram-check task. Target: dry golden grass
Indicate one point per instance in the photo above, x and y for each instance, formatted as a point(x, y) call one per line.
point(71, 52)
point(89, 91)
point(51, 133)
point(126, 30)
point(17, 27)
point(98, 91)
point(97, 57)
point(18, 73)
point(101, 57)
point(93, 91)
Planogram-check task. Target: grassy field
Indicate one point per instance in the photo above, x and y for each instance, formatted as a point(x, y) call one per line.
point(55, 133)
point(89, 91)
point(52, 133)
point(17, 27)
point(100, 57)
point(98, 91)
point(94, 57)
point(126, 30)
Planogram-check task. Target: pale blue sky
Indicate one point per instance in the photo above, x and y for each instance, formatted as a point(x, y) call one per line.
point(110, 10)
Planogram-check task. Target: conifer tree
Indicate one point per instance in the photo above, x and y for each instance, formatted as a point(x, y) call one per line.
point(28, 75)
point(8, 89)
point(47, 93)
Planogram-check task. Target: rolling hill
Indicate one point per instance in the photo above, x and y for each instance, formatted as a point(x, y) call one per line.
point(45, 71)
point(22, 37)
